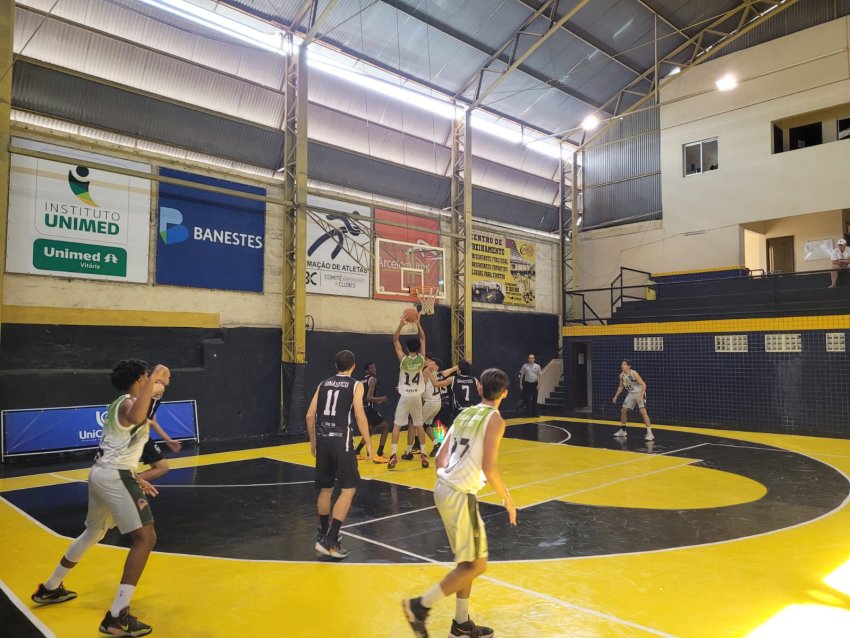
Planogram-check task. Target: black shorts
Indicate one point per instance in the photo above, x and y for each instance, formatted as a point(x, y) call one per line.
point(152, 453)
point(444, 416)
point(373, 416)
point(334, 462)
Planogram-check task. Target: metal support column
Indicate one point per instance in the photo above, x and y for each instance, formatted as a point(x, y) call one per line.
point(7, 15)
point(565, 206)
point(293, 326)
point(461, 257)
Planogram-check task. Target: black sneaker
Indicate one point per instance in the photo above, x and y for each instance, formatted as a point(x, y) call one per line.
point(435, 450)
point(331, 548)
point(407, 456)
point(469, 628)
point(321, 550)
point(124, 625)
point(416, 614)
point(44, 596)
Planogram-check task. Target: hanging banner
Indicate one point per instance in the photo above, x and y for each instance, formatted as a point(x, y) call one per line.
point(338, 249)
point(71, 220)
point(207, 239)
point(503, 270)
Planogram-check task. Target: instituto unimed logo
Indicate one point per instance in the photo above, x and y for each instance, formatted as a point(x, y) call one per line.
point(171, 227)
point(79, 185)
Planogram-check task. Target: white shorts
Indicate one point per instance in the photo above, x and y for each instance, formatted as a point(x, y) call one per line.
point(409, 406)
point(463, 523)
point(115, 498)
point(633, 401)
point(430, 409)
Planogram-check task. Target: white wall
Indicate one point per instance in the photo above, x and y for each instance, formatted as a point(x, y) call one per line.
point(803, 72)
point(803, 228)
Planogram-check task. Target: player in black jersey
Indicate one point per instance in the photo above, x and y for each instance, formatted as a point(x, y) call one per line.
point(464, 388)
point(336, 404)
point(152, 454)
point(437, 386)
point(377, 422)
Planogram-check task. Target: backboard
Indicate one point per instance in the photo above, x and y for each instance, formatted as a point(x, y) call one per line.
point(401, 266)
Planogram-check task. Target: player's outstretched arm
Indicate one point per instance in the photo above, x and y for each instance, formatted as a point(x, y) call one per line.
point(396, 343)
point(422, 349)
point(135, 412)
point(490, 463)
point(174, 446)
point(311, 420)
point(360, 417)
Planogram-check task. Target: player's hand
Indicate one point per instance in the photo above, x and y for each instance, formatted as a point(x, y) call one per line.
point(313, 448)
point(161, 374)
point(511, 512)
point(147, 488)
point(369, 454)
point(614, 400)
point(174, 446)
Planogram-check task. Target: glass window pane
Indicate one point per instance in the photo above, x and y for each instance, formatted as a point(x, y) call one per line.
point(709, 155)
point(693, 162)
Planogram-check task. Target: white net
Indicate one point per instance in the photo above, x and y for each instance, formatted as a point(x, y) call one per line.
point(427, 296)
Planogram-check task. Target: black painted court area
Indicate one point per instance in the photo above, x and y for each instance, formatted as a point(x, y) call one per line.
point(264, 509)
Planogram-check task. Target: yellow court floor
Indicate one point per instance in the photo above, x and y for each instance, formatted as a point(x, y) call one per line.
point(703, 533)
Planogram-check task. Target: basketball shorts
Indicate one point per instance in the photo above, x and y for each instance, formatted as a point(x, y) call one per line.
point(115, 498)
point(430, 410)
point(152, 453)
point(409, 406)
point(336, 460)
point(373, 416)
point(633, 401)
point(445, 414)
point(463, 523)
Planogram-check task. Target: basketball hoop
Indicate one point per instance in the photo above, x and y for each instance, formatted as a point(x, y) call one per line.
point(427, 296)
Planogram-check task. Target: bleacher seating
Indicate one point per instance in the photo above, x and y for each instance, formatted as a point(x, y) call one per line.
point(790, 295)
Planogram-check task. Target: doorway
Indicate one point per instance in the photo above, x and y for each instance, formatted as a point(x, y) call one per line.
point(580, 374)
point(780, 254)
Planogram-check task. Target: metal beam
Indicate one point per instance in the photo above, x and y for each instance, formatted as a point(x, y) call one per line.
point(7, 17)
point(460, 255)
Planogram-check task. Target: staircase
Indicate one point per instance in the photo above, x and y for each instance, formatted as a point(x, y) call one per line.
point(556, 398)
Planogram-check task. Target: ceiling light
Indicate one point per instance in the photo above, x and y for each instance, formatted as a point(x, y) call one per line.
point(674, 71)
point(727, 82)
point(590, 122)
point(503, 132)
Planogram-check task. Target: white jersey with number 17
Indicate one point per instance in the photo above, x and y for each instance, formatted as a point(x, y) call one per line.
point(464, 469)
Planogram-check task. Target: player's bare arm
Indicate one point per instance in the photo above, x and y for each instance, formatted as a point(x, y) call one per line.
point(399, 351)
point(442, 460)
point(360, 416)
point(311, 421)
point(619, 390)
point(370, 395)
point(641, 382)
point(135, 411)
point(490, 463)
point(422, 348)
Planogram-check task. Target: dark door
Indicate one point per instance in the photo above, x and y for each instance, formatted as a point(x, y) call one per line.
point(780, 254)
point(580, 364)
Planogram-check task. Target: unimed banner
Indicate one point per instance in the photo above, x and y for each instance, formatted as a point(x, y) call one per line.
point(71, 220)
point(337, 248)
point(503, 270)
point(207, 239)
point(39, 431)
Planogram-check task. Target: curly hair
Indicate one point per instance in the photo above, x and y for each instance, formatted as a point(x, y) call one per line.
point(126, 372)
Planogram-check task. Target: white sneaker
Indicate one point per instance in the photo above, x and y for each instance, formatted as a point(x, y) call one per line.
point(621, 432)
point(649, 437)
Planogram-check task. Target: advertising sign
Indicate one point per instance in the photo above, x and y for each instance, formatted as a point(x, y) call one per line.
point(39, 431)
point(503, 270)
point(338, 247)
point(207, 239)
point(71, 220)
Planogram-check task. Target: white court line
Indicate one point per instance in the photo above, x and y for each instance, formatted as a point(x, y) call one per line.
point(383, 518)
point(529, 592)
point(35, 620)
point(161, 485)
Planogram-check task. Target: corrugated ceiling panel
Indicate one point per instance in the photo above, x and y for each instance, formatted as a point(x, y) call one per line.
point(691, 16)
point(506, 180)
point(500, 208)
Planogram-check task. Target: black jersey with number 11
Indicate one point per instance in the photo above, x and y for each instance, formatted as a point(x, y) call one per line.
point(334, 409)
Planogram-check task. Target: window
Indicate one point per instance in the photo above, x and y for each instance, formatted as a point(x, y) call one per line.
point(783, 343)
point(649, 344)
point(835, 342)
point(700, 157)
point(844, 129)
point(805, 136)
point(731, 343)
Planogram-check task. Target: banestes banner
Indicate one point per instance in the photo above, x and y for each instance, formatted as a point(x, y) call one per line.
point(71, 220)
point(209, 240)
point(39, 431)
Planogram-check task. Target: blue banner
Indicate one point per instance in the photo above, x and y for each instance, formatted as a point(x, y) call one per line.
point(209, 240)
point(75, 428)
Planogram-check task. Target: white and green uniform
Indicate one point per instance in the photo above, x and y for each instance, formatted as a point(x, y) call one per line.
point(461, 480)
point(411, 384)
point(431, 401)
point(633, 388)
point(115, 497)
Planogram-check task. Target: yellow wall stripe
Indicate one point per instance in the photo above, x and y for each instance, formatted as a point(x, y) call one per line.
point(694, 272)
point(102, 317)
point(770, 324)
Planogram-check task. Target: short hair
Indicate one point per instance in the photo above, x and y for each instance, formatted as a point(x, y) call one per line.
point(493, 383)
point(413, 344)
point(627, 362)
point(437, 362)
point(344, 360)
point(126, 372)
point(366, 366)
point(464, 367)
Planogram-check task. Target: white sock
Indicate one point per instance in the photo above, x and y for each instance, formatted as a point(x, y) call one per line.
point(433, 596)
point(122, 599)
point(409, 449)
point(394, 448)
point(56, 577)
point(461, 610)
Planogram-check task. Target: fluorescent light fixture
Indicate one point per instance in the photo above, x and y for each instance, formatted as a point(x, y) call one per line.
point(727, 82)
point(674, 71)
point(270, 40)
point(545, 146)
point(497, 130)
point(590, 122)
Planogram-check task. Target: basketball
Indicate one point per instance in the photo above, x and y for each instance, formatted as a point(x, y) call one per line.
point(411, 315)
